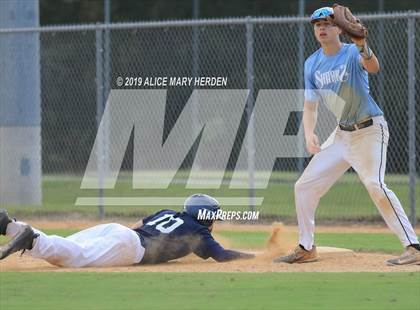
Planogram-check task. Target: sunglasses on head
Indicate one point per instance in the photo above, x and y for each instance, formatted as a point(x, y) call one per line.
point(321, 13)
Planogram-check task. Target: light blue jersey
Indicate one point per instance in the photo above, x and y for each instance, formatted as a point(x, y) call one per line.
point(343, 74)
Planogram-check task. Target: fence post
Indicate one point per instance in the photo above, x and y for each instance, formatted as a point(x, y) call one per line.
point(412, 119)
point(301, 62)
point(20, 105)
point(99, 112)
point(106, 90)
point(249, 108)
point(380, 52)
point(195, 71)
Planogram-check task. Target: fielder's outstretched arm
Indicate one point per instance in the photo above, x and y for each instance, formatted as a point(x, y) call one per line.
point(368, 60)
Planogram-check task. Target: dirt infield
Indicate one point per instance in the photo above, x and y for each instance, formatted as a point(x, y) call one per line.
point(282, 239)
point(263, 263)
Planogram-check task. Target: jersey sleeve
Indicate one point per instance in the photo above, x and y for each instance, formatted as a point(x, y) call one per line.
point(148, 218)
point(208, 247)
point(311, 92)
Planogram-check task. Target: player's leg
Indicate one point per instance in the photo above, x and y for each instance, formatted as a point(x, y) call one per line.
point(368, 158)
point(102, 245)
point(322, 172)
point(109, 245)
point(54, 249)
point(98, 246)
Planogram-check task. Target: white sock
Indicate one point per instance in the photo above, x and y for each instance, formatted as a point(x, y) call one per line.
point(13, 228)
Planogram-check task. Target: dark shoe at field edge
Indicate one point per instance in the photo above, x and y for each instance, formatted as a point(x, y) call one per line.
point(4, 221)
point(22, 241)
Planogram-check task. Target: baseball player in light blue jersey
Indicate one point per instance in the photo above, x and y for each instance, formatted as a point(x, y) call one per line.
point(360, 140)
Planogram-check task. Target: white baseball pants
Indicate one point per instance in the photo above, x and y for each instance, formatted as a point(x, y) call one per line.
point(99, 246)
point(365, 151)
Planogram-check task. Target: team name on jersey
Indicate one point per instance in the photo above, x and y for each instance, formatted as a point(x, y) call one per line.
point(329, 77)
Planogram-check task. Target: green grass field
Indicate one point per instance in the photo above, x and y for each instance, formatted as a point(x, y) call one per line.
point(209, 291)
point(359, 242)
point(347, 200)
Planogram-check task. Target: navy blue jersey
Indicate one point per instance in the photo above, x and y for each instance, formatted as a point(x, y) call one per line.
point(168, 235)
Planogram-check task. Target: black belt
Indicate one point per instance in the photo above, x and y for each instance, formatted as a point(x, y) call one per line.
point(357, 126)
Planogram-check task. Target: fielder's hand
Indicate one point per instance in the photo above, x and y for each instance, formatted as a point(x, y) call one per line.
point(312, 144)
point(359, 42)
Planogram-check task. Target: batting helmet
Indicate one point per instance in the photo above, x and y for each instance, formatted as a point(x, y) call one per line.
point(199, 205)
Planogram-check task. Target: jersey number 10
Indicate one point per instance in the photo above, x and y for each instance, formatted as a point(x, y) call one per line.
point(166, 223)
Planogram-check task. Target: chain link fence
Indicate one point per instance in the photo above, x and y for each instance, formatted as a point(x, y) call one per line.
point(80, 65)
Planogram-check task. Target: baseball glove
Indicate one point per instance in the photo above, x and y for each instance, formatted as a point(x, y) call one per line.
point(349, 24)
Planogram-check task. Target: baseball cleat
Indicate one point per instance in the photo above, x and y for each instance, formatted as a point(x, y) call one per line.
point(411, 256)
point(299, 255)
point(4, 221)
point(22, 241)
